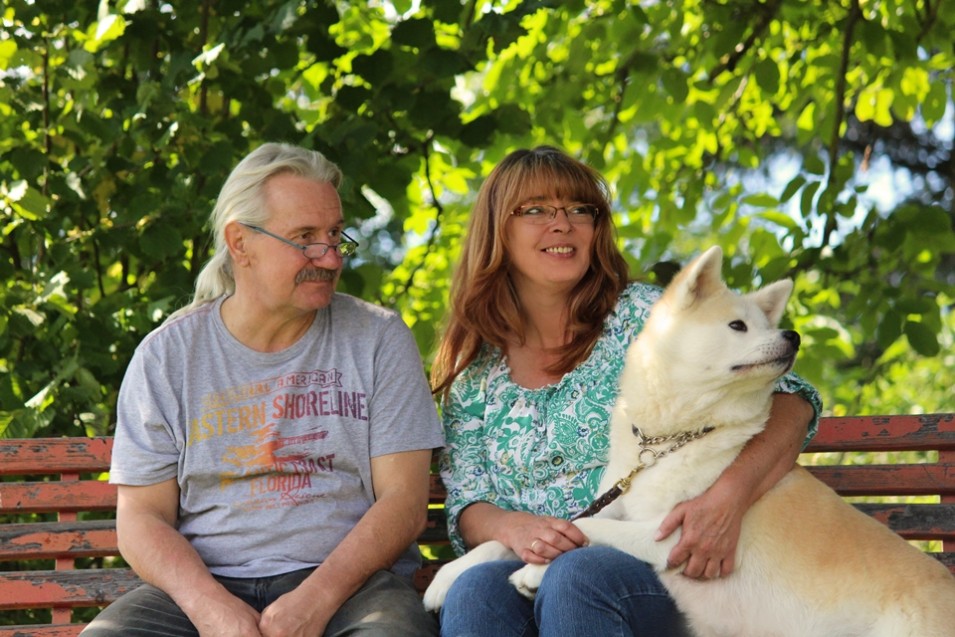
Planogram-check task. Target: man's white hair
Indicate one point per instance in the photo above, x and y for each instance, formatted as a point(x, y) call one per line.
point(241, 200)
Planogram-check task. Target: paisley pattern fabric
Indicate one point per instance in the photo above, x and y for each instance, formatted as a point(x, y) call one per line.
point(543, 450)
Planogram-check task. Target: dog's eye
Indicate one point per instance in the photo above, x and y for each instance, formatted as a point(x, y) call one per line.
point(739, 326)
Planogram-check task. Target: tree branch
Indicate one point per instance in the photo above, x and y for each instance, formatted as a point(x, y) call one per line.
point(621, 82)
point(855, 14)
point(928, 19)
point(729, 61)
point(433, 235)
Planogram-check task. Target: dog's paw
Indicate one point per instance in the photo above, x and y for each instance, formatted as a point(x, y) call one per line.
point(435, 595)
point(437, 592)
point(528, 579)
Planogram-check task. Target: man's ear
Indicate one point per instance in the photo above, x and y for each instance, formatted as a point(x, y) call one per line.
point(235, 242)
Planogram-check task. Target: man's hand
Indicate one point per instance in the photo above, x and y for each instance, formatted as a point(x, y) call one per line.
point(294, 615)
point(226, 616)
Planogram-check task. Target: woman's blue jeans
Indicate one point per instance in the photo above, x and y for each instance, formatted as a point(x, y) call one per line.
point(595, 591)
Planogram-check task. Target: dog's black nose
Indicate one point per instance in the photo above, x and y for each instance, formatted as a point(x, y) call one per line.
point(792, 337)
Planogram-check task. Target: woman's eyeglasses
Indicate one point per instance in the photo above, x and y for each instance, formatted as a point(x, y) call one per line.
point(538, 213)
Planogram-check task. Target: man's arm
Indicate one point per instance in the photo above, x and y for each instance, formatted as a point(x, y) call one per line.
point(148, 539)
point(711, 523)
point(394, 521)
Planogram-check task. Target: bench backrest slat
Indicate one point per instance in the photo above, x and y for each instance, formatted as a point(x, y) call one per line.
point(42, 497)
point(79, 588)
point(915, 521)
point(58, 630)
point(888, 480)
point(51, 540)
point(54, 455)
point(885, 433)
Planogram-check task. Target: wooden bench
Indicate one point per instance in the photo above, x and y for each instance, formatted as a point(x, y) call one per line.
point(58, 555)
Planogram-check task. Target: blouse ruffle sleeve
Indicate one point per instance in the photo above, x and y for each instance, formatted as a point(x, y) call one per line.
point(463, 461)
point(793, 383)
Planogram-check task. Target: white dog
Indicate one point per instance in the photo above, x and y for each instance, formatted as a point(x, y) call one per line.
point(697, 385)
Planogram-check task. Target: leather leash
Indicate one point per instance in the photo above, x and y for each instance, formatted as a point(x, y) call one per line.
point(620, 486)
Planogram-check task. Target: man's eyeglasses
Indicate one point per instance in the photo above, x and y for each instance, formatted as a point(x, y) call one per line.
point(344, 248)
point(538, 213)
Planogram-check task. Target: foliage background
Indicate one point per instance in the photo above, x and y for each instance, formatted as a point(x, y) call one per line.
point(809, 138)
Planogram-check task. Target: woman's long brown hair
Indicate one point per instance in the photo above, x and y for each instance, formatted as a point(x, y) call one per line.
point(485, 307)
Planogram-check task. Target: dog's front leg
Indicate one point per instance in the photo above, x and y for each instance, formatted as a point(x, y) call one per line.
point(633, 537)
point(437, 591)
point(528, 579)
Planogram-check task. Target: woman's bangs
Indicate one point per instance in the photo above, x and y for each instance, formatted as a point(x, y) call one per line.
point(555, 182)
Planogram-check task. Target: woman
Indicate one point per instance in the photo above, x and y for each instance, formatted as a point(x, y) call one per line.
point(542, 312)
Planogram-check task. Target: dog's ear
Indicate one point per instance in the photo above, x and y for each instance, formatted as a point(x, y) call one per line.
point(772, 299)
point(701, 278)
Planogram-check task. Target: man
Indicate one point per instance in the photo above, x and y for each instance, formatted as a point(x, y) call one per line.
point(274, 437)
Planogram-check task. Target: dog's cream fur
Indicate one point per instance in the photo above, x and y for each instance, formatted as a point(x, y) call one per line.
point(807, 564)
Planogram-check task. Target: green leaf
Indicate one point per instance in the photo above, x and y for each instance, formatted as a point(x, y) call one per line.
point(376, 67)
point(444, 63)
point(443, 11)
point(512, 119)
point(160, 240)
point(760, 200)
point(8, 49)
point(780, 219)
point(792, 188)
point(324, 48)
point(935, 102)
point(922, 339)
point(807, 200)
point(415, 32)
point(767, 76)
point(478, 132)
point(28, 202)
point(675, 83)
point(890, 329)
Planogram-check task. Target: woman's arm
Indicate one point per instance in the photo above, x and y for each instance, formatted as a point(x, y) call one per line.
point(536, 539)
point(711, 522)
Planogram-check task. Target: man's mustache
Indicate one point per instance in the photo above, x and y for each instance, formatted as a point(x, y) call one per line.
point(316, 274)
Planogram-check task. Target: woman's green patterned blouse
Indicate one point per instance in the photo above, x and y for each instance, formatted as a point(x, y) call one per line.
point(543, 450)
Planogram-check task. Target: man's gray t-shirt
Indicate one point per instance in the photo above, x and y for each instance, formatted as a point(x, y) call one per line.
point(272, 450)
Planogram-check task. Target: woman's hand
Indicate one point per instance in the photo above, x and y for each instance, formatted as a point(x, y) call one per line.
point(539, 539)
point(712, 522)
point(711, 526)
point(536, 539)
